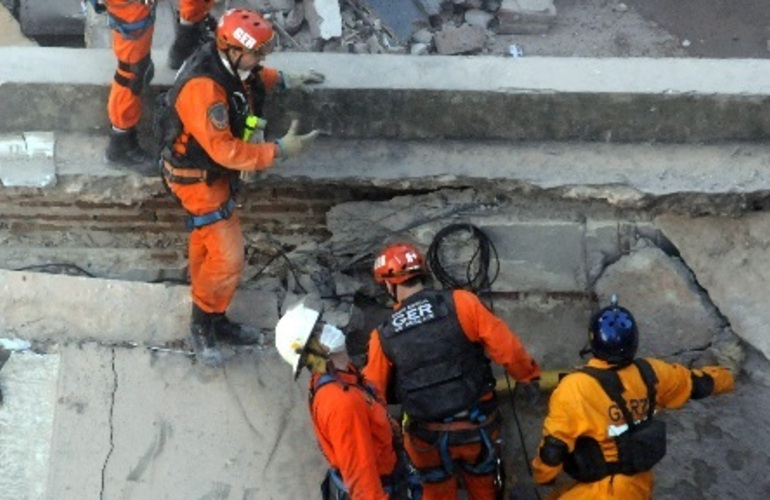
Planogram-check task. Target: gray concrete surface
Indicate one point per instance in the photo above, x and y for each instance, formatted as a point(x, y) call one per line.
point(111, 422)
point(104, 420)
point(403, 97)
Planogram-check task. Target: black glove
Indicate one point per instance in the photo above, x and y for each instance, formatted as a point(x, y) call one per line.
point(527, 392)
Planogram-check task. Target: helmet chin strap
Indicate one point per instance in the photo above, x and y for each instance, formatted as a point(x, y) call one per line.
point(394, 293)
point(233, 65)
point(585, 351)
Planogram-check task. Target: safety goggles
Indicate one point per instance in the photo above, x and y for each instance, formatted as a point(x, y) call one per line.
point(264, 49)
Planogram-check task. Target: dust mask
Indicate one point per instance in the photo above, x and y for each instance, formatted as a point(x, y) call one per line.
point(332, 339)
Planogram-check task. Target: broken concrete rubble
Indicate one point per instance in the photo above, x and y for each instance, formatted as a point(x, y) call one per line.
point(267, 433)
point(525, 16)
point(323, 17)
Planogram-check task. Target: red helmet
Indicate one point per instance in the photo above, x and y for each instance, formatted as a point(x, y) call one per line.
point(399, 263)
point(243, 29)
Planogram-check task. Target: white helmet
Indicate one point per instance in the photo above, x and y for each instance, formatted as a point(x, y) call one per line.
point(292, 333)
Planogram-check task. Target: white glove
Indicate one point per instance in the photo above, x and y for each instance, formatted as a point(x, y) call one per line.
point(730, 354)
point(291, 144)
point(300, 81)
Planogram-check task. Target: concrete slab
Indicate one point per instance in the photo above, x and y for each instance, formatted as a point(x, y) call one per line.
point(55, 307)
point(627, 176)
point(404, 97)
point(239, 433)
point(29, 383)
point(729, 259)
point(539, 255)
point(82, 440)
point(27, 159)
point(134, 424)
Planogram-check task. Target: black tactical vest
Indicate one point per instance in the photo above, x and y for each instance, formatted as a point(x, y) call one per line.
point(206, 62)
point(438, 371)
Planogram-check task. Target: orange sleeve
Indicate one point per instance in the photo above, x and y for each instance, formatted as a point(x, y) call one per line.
point(271, 78)
point(194, 104)
point(675, 382)
point(501, 343)
point(341, 420)
point(378, 366)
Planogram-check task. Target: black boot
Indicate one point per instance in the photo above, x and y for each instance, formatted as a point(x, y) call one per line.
point(188, 38)
point(233, 333)
point(202, 338)
point(124, 150)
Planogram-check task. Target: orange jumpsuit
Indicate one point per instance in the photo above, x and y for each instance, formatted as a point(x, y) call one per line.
point(503, 347)
point(132, 49)
point(580, 407)
point(354, 433)
point(216, 251)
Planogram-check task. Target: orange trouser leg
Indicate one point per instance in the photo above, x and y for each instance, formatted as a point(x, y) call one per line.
point(216, 258)
point(194, 10)
point(426, 456)
point(124, 108)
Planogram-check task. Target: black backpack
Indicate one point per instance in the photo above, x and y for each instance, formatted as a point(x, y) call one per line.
point(639, 448)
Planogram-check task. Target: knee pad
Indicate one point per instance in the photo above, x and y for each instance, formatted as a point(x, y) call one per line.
point(143, 72)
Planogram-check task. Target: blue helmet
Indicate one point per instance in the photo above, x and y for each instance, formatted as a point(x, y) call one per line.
point(613, 335)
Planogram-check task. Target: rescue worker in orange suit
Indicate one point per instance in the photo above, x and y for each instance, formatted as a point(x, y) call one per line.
point(352, 425)
point(433, 353)
point(601, 428)
point(133, 25)
point(190, 30)
point(219, 90)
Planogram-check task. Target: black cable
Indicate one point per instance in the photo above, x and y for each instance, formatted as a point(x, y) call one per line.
point(478, 278)
point(292, 268)
point(520, 432)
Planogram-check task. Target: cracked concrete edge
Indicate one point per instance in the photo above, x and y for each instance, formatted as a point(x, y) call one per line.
point(110, 312)
point(723, 178)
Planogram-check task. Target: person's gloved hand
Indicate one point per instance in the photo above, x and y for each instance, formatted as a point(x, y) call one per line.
point(291, 144)
point(730, 354)
point(527, 392)
point(301, 81)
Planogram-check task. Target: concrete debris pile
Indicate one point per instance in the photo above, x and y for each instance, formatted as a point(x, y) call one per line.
point(439, 27)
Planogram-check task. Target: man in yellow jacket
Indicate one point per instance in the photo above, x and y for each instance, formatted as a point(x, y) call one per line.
point(601, 427)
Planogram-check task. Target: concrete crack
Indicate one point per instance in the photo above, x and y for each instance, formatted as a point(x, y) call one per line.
point(111, 422)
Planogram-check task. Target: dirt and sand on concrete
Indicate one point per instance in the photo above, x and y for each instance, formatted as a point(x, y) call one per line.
point(653, 28)
point(612, 28)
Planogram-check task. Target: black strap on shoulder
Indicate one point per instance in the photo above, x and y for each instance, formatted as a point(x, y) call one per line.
point(651, 381)
point(610, 382)
point(360, 384)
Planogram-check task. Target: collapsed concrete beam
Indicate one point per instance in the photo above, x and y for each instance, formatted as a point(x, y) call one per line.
point(404, 97)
